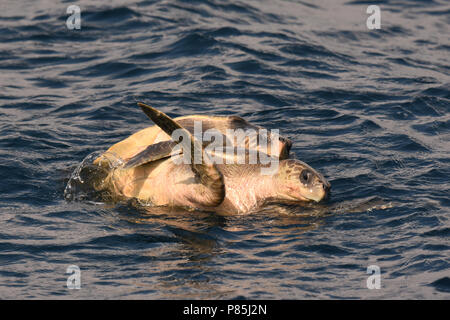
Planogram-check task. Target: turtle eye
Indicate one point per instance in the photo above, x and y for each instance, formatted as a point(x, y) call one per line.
point(304, 176)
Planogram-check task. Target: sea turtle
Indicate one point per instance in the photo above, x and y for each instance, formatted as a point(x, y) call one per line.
point(155, 168)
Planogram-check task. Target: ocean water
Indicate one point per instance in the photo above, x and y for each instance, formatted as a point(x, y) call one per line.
point(370, 109)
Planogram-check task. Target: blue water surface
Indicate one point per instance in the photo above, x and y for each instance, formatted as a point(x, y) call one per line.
point(370, 109)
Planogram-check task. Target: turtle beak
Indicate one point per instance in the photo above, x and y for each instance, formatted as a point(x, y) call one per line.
point(285, 147)
point(327, 190)
point(324, 190)
point(319, 191)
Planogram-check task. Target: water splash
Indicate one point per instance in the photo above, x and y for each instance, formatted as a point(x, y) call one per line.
point(88, 181)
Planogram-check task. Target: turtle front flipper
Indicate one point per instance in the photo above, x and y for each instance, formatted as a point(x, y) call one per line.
point(152, 153)
point(205, 171)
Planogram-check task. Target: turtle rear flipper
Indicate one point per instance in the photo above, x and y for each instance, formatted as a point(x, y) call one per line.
point(153, 152)
point(205, 171)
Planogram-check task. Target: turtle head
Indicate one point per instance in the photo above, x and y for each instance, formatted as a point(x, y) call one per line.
point(299, 182)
